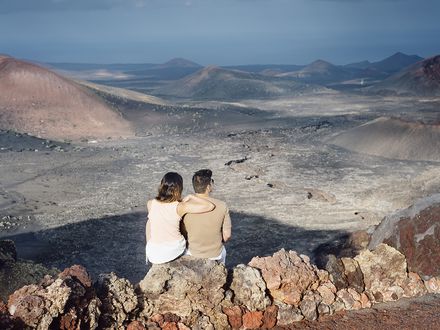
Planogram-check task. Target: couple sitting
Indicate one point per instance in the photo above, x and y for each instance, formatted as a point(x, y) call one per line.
point(206, 221)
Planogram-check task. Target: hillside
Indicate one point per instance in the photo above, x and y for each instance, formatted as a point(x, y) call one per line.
point(320, 72)
point(221, 84)
point(422, 79)
point(40, 102)
point(393, 138)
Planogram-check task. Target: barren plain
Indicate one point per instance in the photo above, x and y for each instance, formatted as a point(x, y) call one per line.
point(286, 185)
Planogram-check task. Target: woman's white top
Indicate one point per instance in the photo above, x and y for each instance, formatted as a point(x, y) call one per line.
point(166, 242)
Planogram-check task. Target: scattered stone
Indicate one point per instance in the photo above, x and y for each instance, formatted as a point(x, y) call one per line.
point(252, 320)
point(320, 195)
point(270, 317)
point(235, 314)
point(308, 309)
point(328, 297)
point(288, 314)
point(287, 275)
point(249, 288)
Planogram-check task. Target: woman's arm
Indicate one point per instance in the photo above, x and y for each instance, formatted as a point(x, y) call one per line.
point(194, 204)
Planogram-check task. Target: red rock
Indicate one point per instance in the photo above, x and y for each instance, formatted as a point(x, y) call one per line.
point(157, 318)
point(365, 301)
point(78, 272)
point(170, 326)
point(270, 317)
point(252, 320)
point(170, 317)
point(287, 275)
point(234, 315)
point(135, 325)
point(415, 232)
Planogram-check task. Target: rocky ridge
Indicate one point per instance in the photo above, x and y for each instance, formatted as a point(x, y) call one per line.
point(188, 293)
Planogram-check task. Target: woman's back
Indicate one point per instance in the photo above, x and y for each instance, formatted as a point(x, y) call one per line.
point(164, 222)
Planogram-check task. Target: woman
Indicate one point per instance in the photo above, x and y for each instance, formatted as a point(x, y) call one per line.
point(164, 240)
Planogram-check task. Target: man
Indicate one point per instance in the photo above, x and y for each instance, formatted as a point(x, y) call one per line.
point(206, 232)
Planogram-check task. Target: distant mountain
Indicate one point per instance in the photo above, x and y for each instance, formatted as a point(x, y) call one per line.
point(219, 84)
point(40, 102)
point(177, 63)
point(270, 69)
point(422, 78)
point(395, 62)
point(320, 72)
point(358, 65)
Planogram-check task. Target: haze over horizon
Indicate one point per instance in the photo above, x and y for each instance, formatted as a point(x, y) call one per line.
point(230, 32)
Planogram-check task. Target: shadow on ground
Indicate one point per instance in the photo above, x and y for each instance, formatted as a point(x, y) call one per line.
point(117, 243)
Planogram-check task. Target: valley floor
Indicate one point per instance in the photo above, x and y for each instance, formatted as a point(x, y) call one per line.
point(285, 186)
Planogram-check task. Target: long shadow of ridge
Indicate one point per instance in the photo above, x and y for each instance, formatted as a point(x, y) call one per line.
point(117, 243)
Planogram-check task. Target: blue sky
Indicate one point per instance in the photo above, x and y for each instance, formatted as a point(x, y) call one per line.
point(222, 32)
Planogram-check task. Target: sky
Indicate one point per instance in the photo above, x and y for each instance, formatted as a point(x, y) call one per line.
point(220, 32)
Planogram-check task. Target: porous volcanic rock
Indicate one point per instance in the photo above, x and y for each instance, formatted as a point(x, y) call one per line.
point(249, 288)
point(416, 233)
point(384, 270)
point(287, 275)
point(38, 306)
point(118, 301)
point(187, 287)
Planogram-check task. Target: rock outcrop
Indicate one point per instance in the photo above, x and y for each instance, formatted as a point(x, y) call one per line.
point(415, 232)
point(191, 293)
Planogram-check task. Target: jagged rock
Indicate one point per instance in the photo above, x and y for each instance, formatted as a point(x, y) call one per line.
point(252, 320)
point(413, 286)
point(416, 233)
point(337, 272)
point(288, 314)
point(433, 285)
point(8, 254)
point(384, 269)
point(78, 272)
point(82, 308)
point(235, 314)
point(118, 301)
point(353, 274)
point(287, 275)
point(270, 317)
point(37, 306)
point(185, 287)
point(249, 288)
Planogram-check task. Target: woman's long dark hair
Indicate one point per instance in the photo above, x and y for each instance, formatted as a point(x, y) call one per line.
point(170, 189)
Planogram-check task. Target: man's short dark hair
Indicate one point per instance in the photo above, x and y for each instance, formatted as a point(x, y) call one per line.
point(201, 180)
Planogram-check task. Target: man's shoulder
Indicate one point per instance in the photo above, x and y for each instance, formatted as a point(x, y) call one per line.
point(218, 202)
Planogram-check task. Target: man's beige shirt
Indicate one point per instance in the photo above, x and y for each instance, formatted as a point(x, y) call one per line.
point(204, 232)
